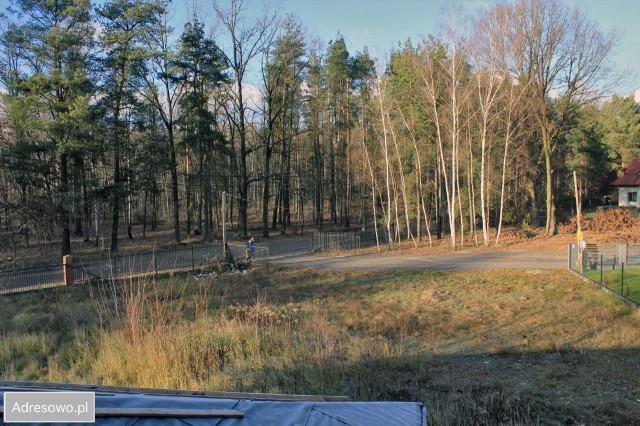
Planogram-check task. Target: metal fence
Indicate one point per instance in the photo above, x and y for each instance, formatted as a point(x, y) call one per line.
point(329, 241)
point(34, 278)
point(102, 266)
point(614, 266)
point(239, 251)
point(357, 238)
point(368, 237)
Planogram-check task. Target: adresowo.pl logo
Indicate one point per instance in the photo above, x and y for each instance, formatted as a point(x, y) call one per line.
point(49, 407)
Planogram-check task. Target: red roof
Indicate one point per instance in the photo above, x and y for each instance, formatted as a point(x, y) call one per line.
point(631, 176)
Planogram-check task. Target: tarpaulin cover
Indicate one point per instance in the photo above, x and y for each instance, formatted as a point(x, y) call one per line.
point(256, 412)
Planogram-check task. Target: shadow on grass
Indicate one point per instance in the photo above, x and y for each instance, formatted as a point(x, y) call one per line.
point(561, 387)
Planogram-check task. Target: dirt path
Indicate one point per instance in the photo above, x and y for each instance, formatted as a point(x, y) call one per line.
point(448, 261)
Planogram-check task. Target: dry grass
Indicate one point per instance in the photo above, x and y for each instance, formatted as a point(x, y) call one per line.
point(481, 347)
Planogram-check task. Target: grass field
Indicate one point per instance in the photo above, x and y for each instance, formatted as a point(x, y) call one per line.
point(476, 347)
point(612, 278)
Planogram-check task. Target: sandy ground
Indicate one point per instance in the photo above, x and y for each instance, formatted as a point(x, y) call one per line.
point(444, 261)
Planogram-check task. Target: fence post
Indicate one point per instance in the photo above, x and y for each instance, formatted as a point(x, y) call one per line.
point(570, 256)
point(622, 278)
point(224, 225)
point(600, 269)
point(67, 265)
point(193, 265)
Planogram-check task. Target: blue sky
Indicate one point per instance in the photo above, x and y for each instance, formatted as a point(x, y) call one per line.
point(381, 24)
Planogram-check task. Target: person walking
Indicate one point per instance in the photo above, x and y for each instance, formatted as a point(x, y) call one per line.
point(250, 248)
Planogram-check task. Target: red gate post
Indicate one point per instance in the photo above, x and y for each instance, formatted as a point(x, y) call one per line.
point(67, 265)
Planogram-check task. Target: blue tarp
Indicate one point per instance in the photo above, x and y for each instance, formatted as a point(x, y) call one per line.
point(254, 411)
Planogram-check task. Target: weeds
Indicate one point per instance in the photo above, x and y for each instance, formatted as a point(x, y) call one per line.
point(497, 347)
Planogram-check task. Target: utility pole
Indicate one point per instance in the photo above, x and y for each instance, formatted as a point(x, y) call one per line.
point(224, 225)
point(579, 233)
point(439, 202)
point(578, 201)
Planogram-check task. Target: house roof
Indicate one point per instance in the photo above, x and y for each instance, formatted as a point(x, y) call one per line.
point(631, 176)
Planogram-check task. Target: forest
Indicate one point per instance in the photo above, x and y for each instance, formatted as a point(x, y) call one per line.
point(112, 118)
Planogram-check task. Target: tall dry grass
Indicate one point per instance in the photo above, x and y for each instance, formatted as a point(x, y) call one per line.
point(490, 347)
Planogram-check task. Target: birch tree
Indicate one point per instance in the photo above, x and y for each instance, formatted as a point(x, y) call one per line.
point(565, 59)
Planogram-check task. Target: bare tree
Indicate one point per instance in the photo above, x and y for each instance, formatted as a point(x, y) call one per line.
point(249, 38)
point(428, 67)
point(565, 59)
point(419, 191)
point(380, 88)
point(373, 192)
point(403, 186)
point(488, 81)
point(515, 112)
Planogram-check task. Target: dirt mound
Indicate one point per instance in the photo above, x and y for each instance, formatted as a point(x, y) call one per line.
point(517, 235)
point(613, 224)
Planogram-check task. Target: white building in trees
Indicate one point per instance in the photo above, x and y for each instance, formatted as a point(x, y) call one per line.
point(629, 185)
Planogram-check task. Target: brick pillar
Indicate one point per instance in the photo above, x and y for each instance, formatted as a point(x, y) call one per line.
point(67, 267)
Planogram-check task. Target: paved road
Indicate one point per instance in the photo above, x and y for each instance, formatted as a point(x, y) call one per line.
point(291, 252)
point(291, 246)
point(295, 256)
point(127, 263)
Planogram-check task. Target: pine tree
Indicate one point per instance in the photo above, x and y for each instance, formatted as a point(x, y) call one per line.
point(620, 119)
point(201, 68)
point(49, 96)
point(337, 63)
point(126, 24)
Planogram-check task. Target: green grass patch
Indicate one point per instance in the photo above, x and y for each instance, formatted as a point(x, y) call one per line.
point(588, 215)
point(629, 285)
point(476, 347)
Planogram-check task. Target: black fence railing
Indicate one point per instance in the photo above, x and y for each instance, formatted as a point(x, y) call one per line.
point(614, 266)
point(355, 239)
point(33, 278)
point(368, 237)
point(103, 266)
point(329, 241)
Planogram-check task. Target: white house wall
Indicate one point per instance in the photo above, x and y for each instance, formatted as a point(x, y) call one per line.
point(623, 196)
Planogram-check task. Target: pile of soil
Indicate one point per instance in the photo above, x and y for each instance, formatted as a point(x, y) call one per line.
point(517, 235)
point(612, 224)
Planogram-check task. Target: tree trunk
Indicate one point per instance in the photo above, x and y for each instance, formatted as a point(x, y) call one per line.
point(206, 235)
point(144, 213)
point(86, 216)
point(64, 211)
point(243, 185)
point(265, 190)
point(188, 191)
point(551, 228)
point(174, 187)
point(96, 207)
point(115, 217)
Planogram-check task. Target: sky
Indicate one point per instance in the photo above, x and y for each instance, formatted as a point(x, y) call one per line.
point(381, 24)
